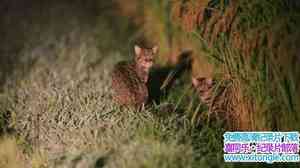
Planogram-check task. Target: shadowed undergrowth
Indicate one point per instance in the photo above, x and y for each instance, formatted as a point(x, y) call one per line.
point(253, 43)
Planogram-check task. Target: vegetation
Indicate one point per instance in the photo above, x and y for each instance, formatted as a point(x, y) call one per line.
point(253, 43)
point(56, 108)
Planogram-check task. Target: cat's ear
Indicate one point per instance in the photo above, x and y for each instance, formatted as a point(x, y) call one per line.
point(155, 49)
point(195, 81)
point(137, 50)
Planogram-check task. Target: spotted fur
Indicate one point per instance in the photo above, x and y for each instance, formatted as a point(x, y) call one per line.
point(129, 79)
point(216, 98)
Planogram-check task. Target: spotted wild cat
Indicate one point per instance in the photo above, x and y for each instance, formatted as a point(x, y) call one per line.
point(222, 100)
point(204, 88)
point(216, 96)
point(129, 78)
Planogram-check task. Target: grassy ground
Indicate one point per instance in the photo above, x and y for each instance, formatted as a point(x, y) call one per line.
point(63, 115)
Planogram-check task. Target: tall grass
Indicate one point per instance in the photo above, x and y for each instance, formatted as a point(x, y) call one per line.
point(241, 39)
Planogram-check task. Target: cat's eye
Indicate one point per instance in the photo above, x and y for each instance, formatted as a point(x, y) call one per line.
point(149, 60)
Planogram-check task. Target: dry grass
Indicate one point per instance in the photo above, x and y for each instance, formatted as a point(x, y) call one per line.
point(63, 114)
point(10, 153)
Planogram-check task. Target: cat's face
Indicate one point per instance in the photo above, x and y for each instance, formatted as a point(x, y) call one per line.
point(145, 57)
point(202, 85)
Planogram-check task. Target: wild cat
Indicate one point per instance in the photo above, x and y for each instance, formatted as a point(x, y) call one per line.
point(204, 89)
point(129, 78)
point(216, 98)
point(220, 98)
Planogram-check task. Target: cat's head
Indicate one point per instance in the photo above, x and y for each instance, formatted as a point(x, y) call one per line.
point(144, 57)
point(202, 84)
